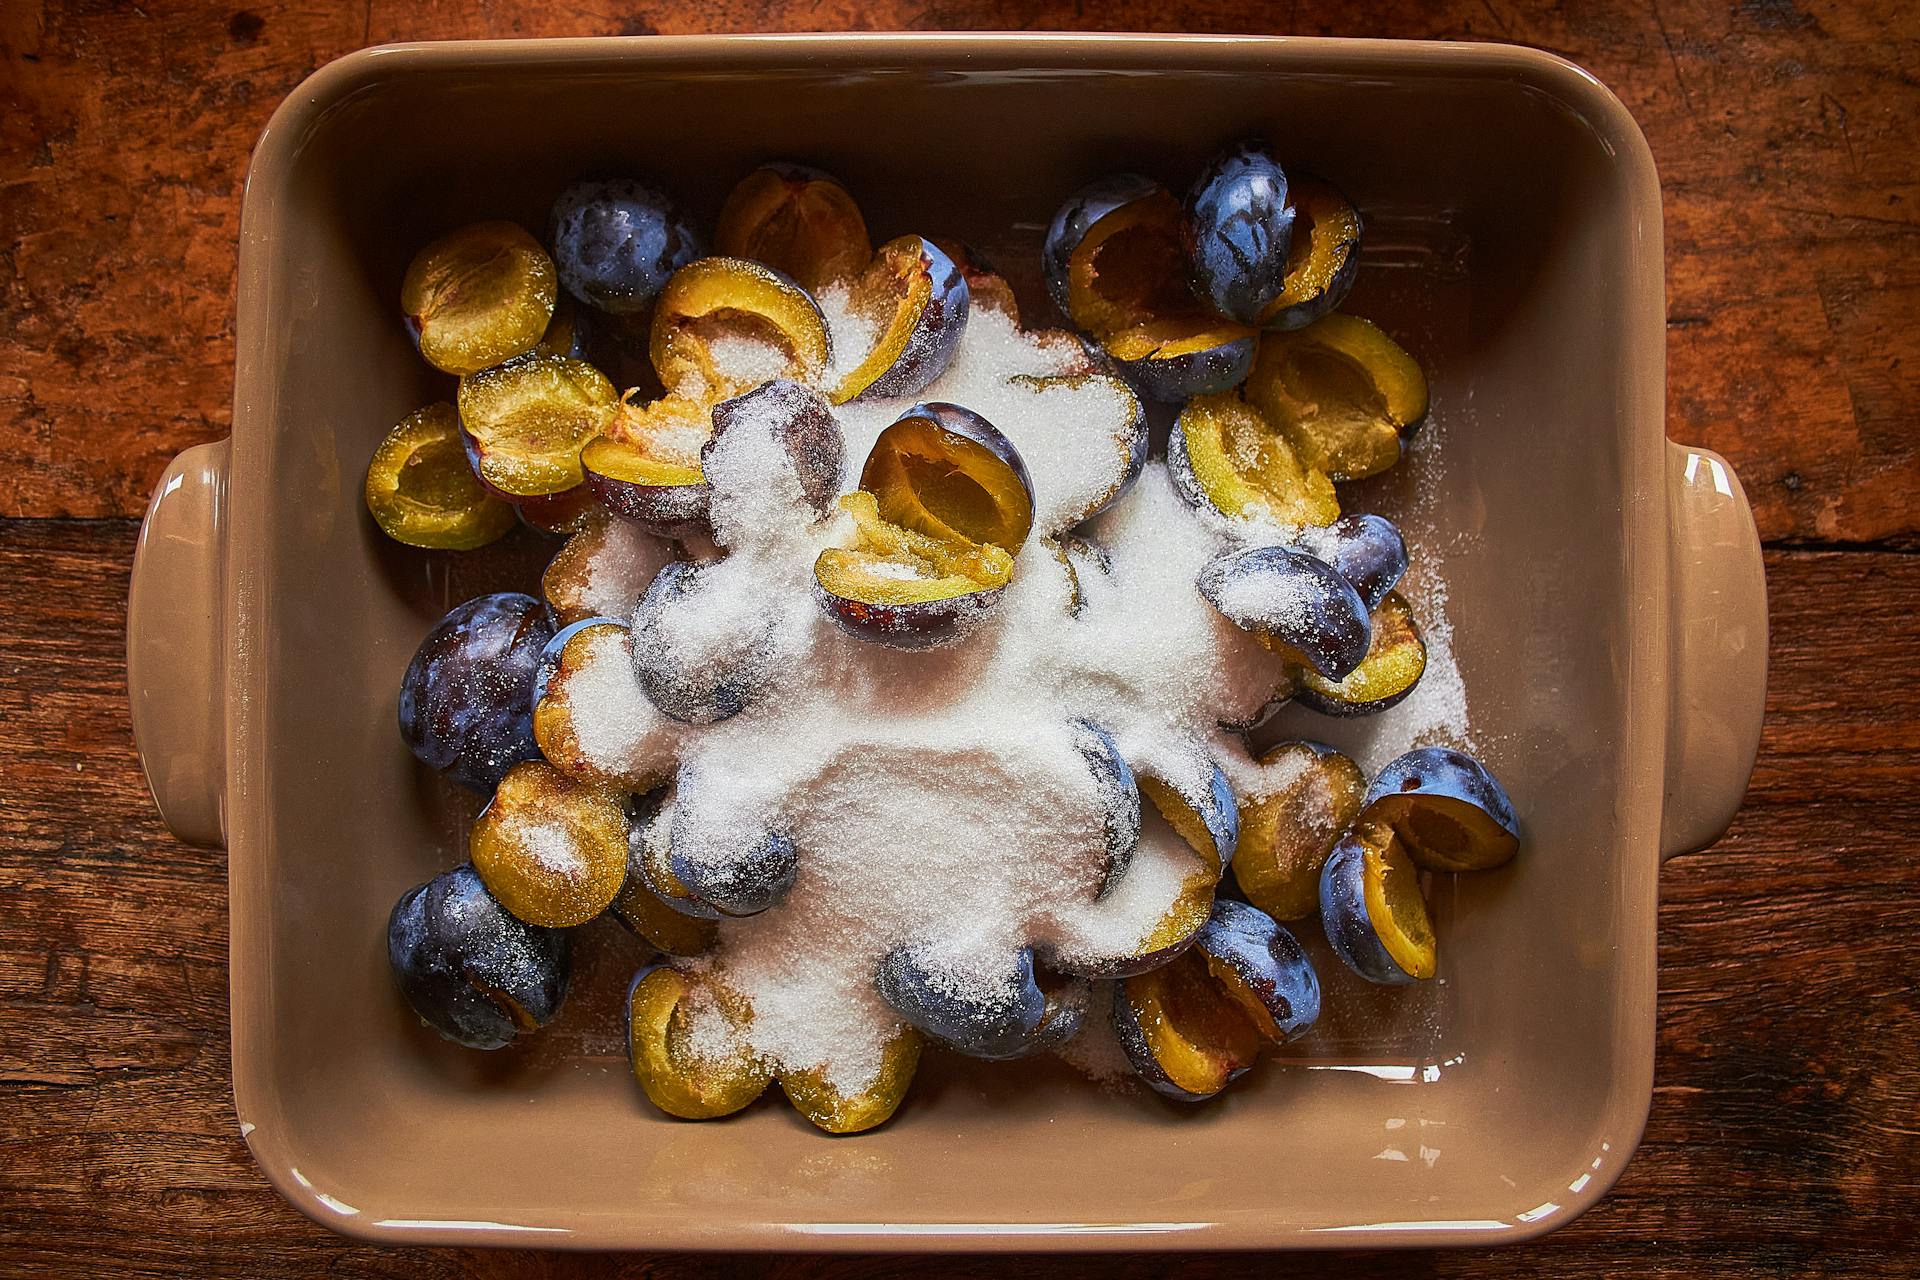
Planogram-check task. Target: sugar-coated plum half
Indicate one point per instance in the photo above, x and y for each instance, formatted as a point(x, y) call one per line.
point(594, 723)
point(916, 299)
point(1223, 453)
point(1199, 804)
point(944, 505)
point(477, 296)
point(421, 491)
point(701, 655)
point(646, 914)
point(1323, 260)
point(651, 843)
point(465, 701)
point(527, 420)
point(1119, 797)
point(1447, 809)
point(645, 466)
point(616, 241)
point(725, 325)
point(1396, 659)
point(800, 421)
point(1192, 1027)
point(997, 1012)
point(739, 872)
point(814, 1095)
point(1239, 228)
point(1130, 434)
point(1346, 395)
point(1369, 552)
point(1127, 289)
point(986, 287)
point(1371, 908)
point(552, 850)
point(687, 1043)
point(1287, 833)
point(469, 968)
point(1295, 604)
point(797, 220)
point(550, 655)
point(602, 570)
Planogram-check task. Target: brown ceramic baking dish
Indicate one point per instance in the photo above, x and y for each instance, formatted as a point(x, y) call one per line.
point(1609, 613)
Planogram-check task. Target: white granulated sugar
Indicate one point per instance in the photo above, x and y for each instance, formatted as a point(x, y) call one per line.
point(620, 565)
point(746, 361)
point(619, 729)
point(851, 333)
point(553, 848)
point(938, 798)
point(1096, 1053)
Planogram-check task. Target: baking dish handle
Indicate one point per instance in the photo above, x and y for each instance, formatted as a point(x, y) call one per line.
point(176, 644)
point(1718, 595)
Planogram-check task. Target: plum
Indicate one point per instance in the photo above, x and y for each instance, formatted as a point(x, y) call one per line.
point(797, 220)
point(470, 969)
point(1076, 217)
point(995, 1015)
point(594, 723)
point(650, 851)
point(465, 701)
point(1130, 433)
point(552, 850)
point(801, 421)
point(1286, 834)
point(725, 325)
point(1170, 935)
point(1198, 803)
point(1372, 911)
point(1295, 604)
point(1369, 552)
point(1223, 453)
point(986, 287)
point(1323, 260)
point(526, 421)
point(700, 652)
point(421, 491)
point(478, 296)
point(558, 515)
point(814, 1095)
point(602, 570)
point(616, 241)
point(944, 505)
point(693, 1074)
point(1119, 797)
point(1197, 1024)
point(646, 914)
point(550, 654)
point(1346, 395)
point(645, 467)
point(1239, 229)
point(1447, 810)
point(737, 873)
point(1396, 659)
point(916, 299)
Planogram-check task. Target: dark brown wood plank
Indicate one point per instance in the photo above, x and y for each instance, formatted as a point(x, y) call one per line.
point(1784, 133)
point(1782, 1138)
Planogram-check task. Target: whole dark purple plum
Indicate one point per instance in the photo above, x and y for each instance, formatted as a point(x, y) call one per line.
point(1446, 808)
point(994, 1016)
point(473, 971)
point(1297, 605)
point(1239, 229)
point(801, 420)
point(466, 702)
point(616, 241)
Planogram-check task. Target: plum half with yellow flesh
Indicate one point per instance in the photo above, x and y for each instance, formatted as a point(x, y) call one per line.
point(1396, 659)
point(916, 299)
point(1446, 808)
point(552, 850)
point(724, 325)
point(687, 1044)
point(944, 506)
point(1372, 911)
point(1346, 396)
point(1323, 257)
point(797, 220)
point(1286, 834)
point(1224, 453)
point(478, 296)
point(422, 491)
point(527, 420)
point(1295, 604)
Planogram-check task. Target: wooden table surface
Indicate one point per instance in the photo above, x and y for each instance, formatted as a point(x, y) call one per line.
point(1785, 1131)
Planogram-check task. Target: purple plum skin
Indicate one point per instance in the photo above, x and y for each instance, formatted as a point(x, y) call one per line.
point(1023, 1019)
point(1239, 228)
point(913, 627)
point(1173, 379)
point(456, 954)
point(1369, 552)
point(1332, 634)
point(696, 697)
point(1343, 915)
point(1455, 784)
point(616, 241)
point(937, 330)
point(466, 701)
point(1115, 780)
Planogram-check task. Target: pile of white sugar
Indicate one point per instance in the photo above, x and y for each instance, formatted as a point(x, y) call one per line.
point(937, 797)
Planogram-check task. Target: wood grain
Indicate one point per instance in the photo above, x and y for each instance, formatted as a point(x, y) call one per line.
point(1784, 133)
point(1781, 1142)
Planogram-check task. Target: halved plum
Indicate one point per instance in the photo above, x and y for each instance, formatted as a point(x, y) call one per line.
point(1323, 259)
point(478, 296)
point(644, 912)
point(1198, 803)
point(1239, 228)
point(797, 220)
point(528, 419)
point(1446, 808)
point(1369, 552)
point(904, 589)
point(815, 1096)
point(1192, 1027)
point(1287, 833)
point(1119, 795)
point(1346, 395)
point(800, 422)
point(998, 1014)
point(1076, 217)
point(650, 850)
point(1128, 433)
point(687, 1042)
point(945, 471)
point(1224, 453)
point(594, 723)
point(602, 570)
point(724, 325)
point(738, 869)
point(559, 515)
point(916, 299)
point(698, 652)
point(986, 287)
point(1396, 659)
point(421, 491)
point(554, 852)
point(646, 465)
point(1372, 911)
point(1295, 604)
point(463, 705)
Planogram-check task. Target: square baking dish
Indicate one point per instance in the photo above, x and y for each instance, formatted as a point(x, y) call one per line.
point(1606, 592)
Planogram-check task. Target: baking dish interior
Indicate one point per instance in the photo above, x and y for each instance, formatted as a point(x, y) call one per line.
point(1509, 249)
